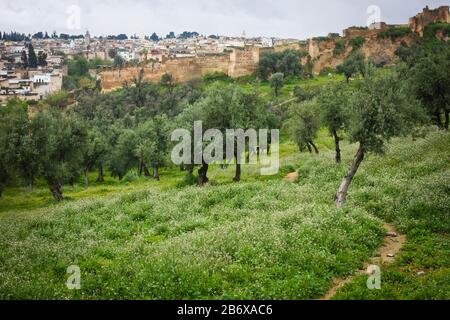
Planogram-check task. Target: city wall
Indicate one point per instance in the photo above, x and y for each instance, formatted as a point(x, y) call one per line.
point(238, 63)
point(319, 51)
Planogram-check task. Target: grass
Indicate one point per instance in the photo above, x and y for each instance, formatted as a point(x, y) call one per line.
point(416, 198)
point(260, 239)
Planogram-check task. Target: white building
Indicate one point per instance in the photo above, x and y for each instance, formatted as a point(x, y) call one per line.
point(126, 55)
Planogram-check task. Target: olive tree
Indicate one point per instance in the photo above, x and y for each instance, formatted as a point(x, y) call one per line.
point(277, 82)
point(430, 81)
point(378, 111)
point(94, 153)
point(154, 144)
point(352, 65)
point(333, 101)
point(304, 124)
point(60, 138)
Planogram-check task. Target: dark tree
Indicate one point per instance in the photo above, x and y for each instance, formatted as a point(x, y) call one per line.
point(430, 81)
point(352, 65)
point(333, 102)
point(42, 59)
point(32, 59)
point(24, 59)
point(154, 37)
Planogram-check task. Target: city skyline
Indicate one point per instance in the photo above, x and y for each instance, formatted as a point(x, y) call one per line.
point(286, 19)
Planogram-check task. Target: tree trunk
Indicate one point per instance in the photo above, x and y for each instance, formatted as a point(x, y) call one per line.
point(146, 172)
point(447, 119)
point(155, 173)
point(140, 168)
point(203, 174)
point(237, 177)
point(86, 179)
point(314, 146)
point(343, 189)
point(101, 177)
point(338, 148)
point(437, 119)
point(55, 188)
point(190, 170)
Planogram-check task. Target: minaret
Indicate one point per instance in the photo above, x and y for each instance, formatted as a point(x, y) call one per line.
point(87, 40)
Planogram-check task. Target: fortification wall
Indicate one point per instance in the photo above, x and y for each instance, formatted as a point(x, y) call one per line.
point(423, 19)
point(244, 61)
point(238, 63)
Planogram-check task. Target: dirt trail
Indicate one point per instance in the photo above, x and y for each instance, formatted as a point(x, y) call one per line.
point(386, 254)
point(291, 177)
point(393, 243)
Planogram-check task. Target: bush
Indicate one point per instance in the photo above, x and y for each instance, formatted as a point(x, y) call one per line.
point(339, 48)
point(433, 28)
point(357, 42)
point(286, 62)
point(394, 33)
point(217, 76)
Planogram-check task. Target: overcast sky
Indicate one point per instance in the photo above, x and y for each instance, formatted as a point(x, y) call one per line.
point(278, 18)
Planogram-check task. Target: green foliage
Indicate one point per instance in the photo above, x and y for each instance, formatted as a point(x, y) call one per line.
point(304, 93)
point(339, 47)
point(13, 151)
point(333, 101)
point(123, 156)
point(276, 82)
point(304, 123)
point(432, 29)
point(430, 82)
point(119, 62)
point(414, 196)
point(321, 39)
point(217, 76)
point(394, 33)
point(167, 80)
point(78, 67)
point(357, 42)
point(32, 59)
point(153, 143)
point(95, 151)
point(57, 100)
point(382, 109)
point(286, 62)
point(354, 64)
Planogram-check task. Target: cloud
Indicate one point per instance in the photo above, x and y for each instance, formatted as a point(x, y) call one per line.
point(283, 18)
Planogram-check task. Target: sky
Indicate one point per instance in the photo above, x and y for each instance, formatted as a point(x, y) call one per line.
point(298, 19)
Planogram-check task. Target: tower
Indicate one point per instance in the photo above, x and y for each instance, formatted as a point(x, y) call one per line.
point(87, 40)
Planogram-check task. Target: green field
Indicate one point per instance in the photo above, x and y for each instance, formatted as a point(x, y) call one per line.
point(259, 239)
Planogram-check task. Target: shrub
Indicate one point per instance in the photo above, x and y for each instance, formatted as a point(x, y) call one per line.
point(394, 33)
point(357, 42)
point(217, 76)
point(339, 48)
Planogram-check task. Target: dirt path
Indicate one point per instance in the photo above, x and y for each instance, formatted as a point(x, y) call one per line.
point(393, 243)
point(291, 177)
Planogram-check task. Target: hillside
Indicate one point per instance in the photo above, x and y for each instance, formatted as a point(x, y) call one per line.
point(255, 240)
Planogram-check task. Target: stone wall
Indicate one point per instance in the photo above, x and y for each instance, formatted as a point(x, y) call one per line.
point(240, 62)
point(420, 21)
